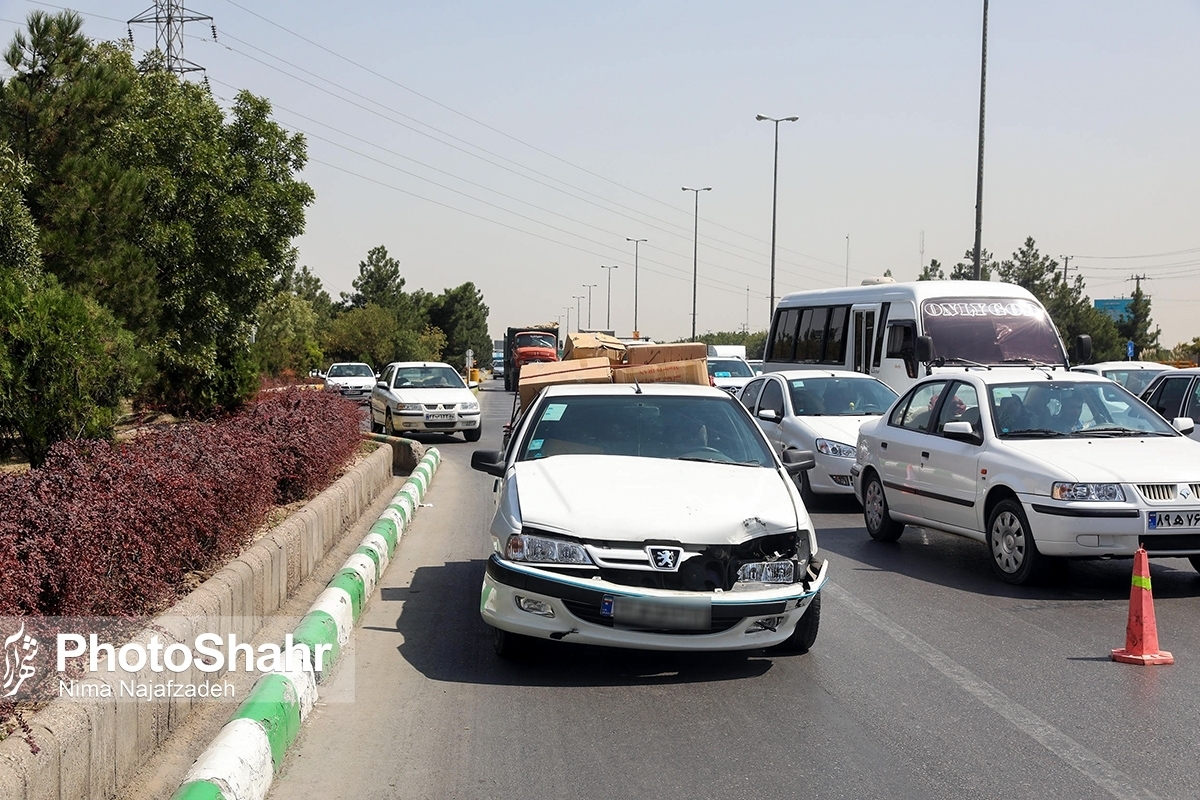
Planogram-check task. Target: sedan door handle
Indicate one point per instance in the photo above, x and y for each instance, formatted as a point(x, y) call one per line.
point(924, 454)
point(883, 445)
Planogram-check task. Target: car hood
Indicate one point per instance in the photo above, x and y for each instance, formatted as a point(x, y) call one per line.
point(1149, 459)
point(630, 499)
point(351, 382)
point(838, 429)
point(442, 396)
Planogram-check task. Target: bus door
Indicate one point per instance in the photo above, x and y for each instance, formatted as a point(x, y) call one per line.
point(862, 346)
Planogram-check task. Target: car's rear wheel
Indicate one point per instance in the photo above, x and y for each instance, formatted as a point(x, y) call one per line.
point(509, 645)
point(1015, 557)
point(878, 519)
point(806, 629)
point(473, 434)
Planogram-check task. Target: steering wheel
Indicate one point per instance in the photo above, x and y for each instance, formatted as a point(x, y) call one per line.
point(703, 452)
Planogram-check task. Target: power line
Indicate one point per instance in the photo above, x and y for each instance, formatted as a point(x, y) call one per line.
point(1150, 255)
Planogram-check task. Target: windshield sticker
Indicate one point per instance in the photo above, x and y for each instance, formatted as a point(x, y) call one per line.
point(554, 412)
point(722, 375)
point(536, 444)
point(1009, 308)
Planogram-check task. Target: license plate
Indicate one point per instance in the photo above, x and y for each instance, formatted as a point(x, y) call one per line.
point(441, 416)
point(676, 613)
point(1173, 520)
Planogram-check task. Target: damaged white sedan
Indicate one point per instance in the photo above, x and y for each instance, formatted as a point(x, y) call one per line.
point(652, 517)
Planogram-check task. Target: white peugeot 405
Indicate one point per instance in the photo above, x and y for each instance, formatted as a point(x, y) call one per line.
point(651, 517)
point(1034, 462)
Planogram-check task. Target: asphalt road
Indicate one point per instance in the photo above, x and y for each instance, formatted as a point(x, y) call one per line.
point(929, 679)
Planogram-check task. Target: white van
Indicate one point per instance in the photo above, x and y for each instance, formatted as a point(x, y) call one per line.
point(880, 329)
point(727, 351)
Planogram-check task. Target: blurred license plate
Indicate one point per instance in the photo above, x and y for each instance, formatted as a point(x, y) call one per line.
point(441, 416)
point(1175, 520)
point(686, 613)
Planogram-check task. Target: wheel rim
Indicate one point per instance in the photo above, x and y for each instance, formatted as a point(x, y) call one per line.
point(873, 505)
point(388, 425)
point(1008, 542)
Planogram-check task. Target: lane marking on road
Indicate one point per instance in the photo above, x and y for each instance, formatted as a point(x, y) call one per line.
point(1092, 766)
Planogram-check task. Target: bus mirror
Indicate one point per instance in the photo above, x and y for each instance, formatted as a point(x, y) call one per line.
point(924, 349)
point(1083, 348)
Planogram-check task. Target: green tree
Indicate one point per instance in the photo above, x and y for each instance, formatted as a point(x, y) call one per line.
point(1031, 270)
point(286, 338)
point(462, 316)
point(965, 269)
point(1134, 324)
point(378, 282)
point(369, 334)
point(932, 271)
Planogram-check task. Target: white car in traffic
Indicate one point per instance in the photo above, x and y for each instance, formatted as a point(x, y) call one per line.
point(730, 373)
point(819, 410)
point(1032, 462)
point(1133, 375)
point(424, 397)
point(608, 530)
point(352, 379)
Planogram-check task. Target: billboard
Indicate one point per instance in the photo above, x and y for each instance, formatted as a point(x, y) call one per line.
point(1115, 308)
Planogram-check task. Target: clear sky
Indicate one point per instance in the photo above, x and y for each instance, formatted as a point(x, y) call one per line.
point(517, 145)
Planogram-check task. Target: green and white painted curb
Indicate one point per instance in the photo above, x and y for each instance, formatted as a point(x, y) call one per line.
point(243, 759)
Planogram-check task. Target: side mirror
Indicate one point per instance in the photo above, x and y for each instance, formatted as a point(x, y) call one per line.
point(768, 414)
point(489, 461)
point(924, 349)
point(472, 384)
point(797, 461)
point(1083, 347)
point(960, 431)
point(1184, 425)
point(380, 385)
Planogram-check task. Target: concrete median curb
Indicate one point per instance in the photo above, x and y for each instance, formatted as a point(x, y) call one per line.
point(242, 760)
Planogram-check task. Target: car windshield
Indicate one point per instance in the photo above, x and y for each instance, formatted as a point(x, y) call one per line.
point(537, 340)
point(350, 371)
point(694, 428)
point(991, 331)
point(845, 397)
point(1135, 380)
point(428, 378)
point(1044, 408)
point(729, 368)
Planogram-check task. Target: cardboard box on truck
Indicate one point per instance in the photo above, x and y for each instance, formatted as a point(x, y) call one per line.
point(663, 353)
point(562, 372)
point(692, 371)
point(557, 367)
point(593, 345)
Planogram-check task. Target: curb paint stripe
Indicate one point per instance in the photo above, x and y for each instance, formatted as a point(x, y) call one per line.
point(336, 603)
point(238, 762)
point(275, 706)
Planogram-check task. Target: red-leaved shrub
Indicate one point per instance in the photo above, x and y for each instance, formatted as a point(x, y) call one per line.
point(104, 529)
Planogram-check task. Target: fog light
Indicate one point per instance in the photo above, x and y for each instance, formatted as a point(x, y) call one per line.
point(535, 606)
point(765, 624)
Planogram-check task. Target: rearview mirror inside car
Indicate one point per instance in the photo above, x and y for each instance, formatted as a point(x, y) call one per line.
point(489, 461)
point(1184, 425)
point(797, 461)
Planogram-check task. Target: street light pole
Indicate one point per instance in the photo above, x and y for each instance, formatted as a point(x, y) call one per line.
point(578, 315)
point(589, 287)
point(608, 311)
point(695, 250)
point(975, 266)
point(568, 331)
point(636, 242)
point(774, 197)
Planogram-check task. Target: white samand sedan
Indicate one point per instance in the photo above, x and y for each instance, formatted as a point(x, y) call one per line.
point(653, 556)
point(424, 397)
point(819, 410)
point(352, 379)
point(1035, 463)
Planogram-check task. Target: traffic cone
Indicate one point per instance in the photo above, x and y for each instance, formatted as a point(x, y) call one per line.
point(1141, 632)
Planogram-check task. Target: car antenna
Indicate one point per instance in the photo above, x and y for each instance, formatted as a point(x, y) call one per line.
point(637, 387)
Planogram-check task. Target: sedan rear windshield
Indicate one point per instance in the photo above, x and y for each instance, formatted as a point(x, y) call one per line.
point(350, 371)
point(691, 428)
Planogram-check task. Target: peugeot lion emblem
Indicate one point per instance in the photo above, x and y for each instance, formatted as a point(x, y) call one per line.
point(665, 559)
point(1185, 493)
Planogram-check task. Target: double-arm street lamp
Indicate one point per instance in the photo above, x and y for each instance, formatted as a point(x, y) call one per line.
point(774, 197)
point(695, 246)
point(608, 310)
point(578, 315)
point(589, 287)
point(636, 242)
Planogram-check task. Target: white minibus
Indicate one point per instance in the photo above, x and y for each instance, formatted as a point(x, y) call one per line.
point(886, 329)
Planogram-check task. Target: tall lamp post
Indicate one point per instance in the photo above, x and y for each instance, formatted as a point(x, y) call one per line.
point(636, 242)
point(568, 331)
point(608, 304)
point(578, 315)
point(774, 196)
point(975, 266)
point(695, 249)
point(589, 287)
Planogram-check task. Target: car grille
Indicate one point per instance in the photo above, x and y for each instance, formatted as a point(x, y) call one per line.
point(440, 425)
point(440, 406)
point(1166, 491)
point(590, 613)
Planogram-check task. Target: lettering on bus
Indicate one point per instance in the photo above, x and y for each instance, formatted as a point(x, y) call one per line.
point(1007, 308)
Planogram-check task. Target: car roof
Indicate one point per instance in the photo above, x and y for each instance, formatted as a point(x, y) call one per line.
point(797, 374)
point(419, 364)
point(1102, 365)
point(1002, 375)
point(1181, 371)
point(350, 364)
point(623, 389)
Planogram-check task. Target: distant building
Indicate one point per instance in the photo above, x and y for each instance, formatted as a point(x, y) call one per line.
point(1115, 308)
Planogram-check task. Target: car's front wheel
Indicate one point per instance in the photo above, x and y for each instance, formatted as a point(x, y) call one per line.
point(878, 519)
point(473, 434)
point(509, 645)
point(1015, 557)
point(1195, 562)
point(805, 634)
point(806, 491)
point(389, 425)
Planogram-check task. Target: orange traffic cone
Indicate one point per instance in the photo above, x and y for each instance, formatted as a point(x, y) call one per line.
point(1141, 632)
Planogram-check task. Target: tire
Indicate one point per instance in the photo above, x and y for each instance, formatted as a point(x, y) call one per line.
point(473, 434)
point(375, 426)
point(509, 645)
point(805, 634)
point(389, 426)
point(806, 492)
point(1015, 557)
point(1195, 562)
point(507, 382)
point(879, 521)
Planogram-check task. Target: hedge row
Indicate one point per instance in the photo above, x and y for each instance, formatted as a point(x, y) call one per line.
point(114, 529)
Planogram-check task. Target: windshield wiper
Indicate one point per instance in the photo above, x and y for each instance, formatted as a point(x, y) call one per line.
point(1120, 430)
point(1044, 432)
point(1033, 362)
point(943, 360)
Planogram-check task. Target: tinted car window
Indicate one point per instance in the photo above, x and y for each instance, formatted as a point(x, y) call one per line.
point(1192, 409)
point(750, 394)
point(772, 398)
point(962, 405)
point(1168, 397)
point(920, 406)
